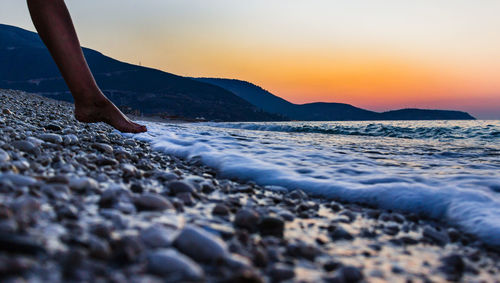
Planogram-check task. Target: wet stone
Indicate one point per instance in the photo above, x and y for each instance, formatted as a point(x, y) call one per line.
point(104, 160)
point(186, 198)
point(331, 265)
point(52, 138)
point(200, 245)
point(4, 156)
point(287, 215)
point(157, 237)
point(149, 201)
point(127, 248)
point(391, 230)
point(20, 244)
point(350, 274)
point(220, 209)
point(272, 226)
point(128, 170)
point(247, 218)
point(99, 248)
point(177, 187)
point(82, 184)
point(102, 147)
point(435, 236)
point(340, 233)
point(172, 265)
point(453, 266)
point(70, 139)
point(18, 180)
point(53, 127)
point(281, 272)
point(25, 146)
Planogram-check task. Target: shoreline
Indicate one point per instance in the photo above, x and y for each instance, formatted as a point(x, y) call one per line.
point(81, 202)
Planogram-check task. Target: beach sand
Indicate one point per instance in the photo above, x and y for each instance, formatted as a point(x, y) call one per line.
point(81, 202)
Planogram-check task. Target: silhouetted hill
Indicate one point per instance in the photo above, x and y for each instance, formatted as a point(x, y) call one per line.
point(25, 64)
point(423, 114)
point(321, 111)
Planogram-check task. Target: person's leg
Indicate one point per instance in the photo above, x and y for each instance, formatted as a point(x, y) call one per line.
point(54, 25)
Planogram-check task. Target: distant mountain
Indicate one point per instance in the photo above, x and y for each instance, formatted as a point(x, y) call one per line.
point(25, 64)
point(422, 114)
point(321, 111)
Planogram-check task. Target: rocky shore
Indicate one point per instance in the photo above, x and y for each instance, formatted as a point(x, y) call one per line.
point(81, 202)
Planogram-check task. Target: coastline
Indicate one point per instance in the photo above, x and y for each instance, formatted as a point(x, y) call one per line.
point(81, 202)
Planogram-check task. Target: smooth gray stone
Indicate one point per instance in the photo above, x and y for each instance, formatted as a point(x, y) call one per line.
point(52, 138)
point(83, 183)
point(174, 266)
point(102, 147)
point(200, 245)
point(150, 201)
point(4, 156)
point(70, 139)
point(177, 187)
point(281, 272)
point(440, 238)
point(158, 236)
point(129, 170)
point(18, 180)
point(247, 218)
point(25, 146)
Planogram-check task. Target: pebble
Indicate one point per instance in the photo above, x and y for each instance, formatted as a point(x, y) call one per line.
point(53, 138)
point(104, 160)
point(165, 176)
point(340, 233)
point(26, 146)
point(247, 218)
point(70, 139)
point(7, 111)
point(281, 272)
point(20, 244)
point(53, 127)
point(391, 229)
point(102, 147)
point(177, 187)
point(454, 266)
point(82, 184)
point(127, 248)
point(186, 198)
point(220, 209)
point(174, 267)
point(200, 245)
point(4, 156)
point(437, 237)
point(157, 237)
point(349, 274)
point(272, 226)
point(297, 194)
point(149, 201)
point(18, 180)
point(129, 170)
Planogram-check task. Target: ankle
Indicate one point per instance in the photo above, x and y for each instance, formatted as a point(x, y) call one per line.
point(90, 99)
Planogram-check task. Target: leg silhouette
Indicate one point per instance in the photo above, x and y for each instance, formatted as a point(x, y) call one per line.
point(54, 25)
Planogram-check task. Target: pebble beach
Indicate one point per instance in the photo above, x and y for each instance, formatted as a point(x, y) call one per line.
point(83, 203)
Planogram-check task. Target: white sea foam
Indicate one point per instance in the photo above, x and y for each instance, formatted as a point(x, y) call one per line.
point(456, 180)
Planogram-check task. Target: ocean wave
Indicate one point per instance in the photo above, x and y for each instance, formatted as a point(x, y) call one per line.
point(456, 183)
point(482, 130)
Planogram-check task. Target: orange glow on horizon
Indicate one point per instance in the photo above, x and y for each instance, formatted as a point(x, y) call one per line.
point(371, 79)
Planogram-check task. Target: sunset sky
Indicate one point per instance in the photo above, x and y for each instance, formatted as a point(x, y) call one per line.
point(375, 54)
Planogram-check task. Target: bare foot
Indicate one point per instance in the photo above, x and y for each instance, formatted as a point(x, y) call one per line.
point(103, 110)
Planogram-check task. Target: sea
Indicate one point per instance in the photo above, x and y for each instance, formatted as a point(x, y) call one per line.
point(446, 170)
